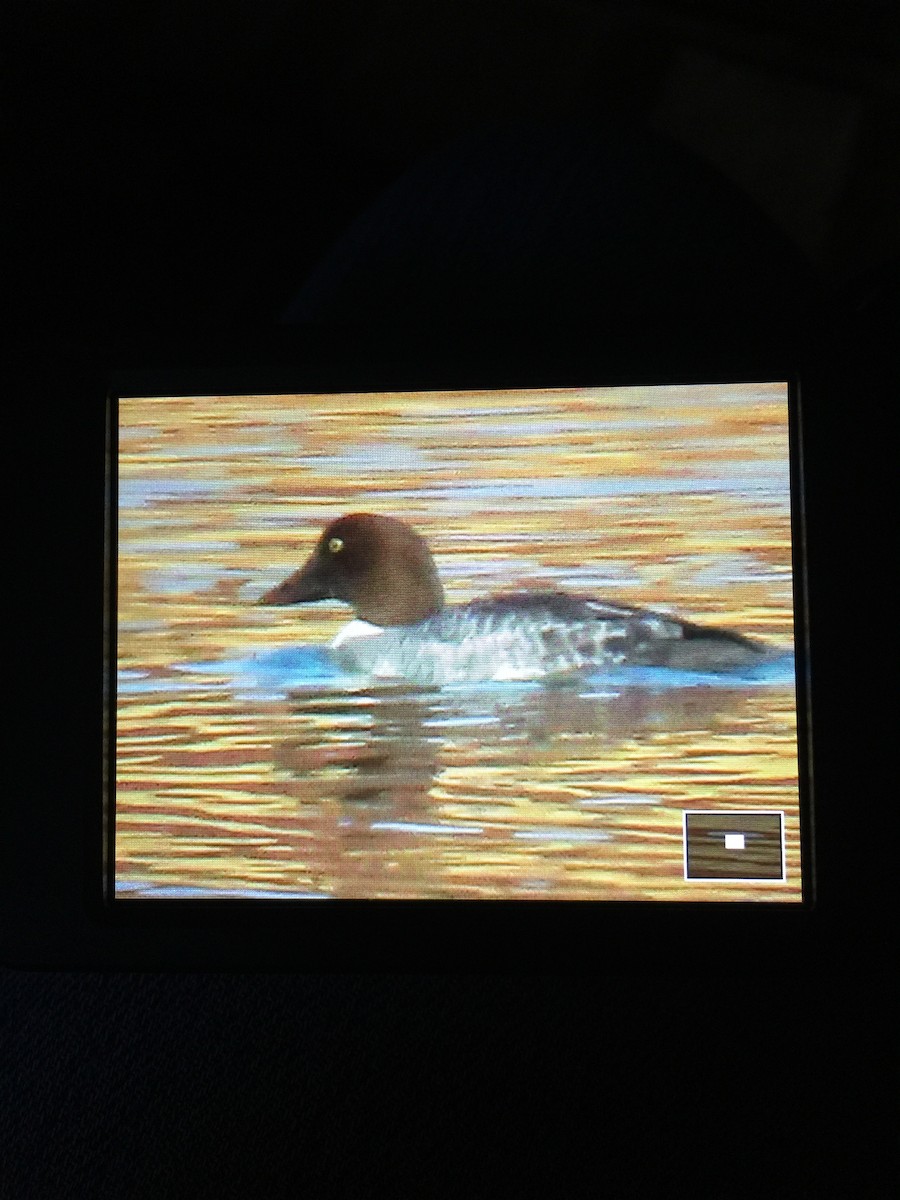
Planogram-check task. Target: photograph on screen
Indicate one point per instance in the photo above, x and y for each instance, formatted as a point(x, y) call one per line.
point(456, 645)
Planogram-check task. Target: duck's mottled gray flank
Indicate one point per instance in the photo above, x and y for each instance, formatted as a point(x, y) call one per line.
point(544, 635)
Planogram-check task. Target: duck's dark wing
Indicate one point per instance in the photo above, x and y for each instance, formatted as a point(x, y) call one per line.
point(577, 633)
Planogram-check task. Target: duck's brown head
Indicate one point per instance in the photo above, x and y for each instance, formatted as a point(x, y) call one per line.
point(378, 565)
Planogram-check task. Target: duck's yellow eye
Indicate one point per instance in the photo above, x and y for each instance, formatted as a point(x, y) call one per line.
point(336, 545)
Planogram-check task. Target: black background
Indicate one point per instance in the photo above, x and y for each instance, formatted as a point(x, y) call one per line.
point(186, 169)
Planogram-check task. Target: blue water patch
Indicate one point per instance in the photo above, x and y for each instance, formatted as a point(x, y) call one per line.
point(142, 493)
point(421, 827)
point(372, 456)
point(182, 546)
point(275, 673)
point(174, 891)
point(207, 450)
point(562, 834)
point(470, 720)
point(776, 671)
point(764, 480)
point(143, 684)
point(270, 674)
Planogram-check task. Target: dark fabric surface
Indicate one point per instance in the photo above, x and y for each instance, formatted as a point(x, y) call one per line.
point(217, 1085)
point(553, 222)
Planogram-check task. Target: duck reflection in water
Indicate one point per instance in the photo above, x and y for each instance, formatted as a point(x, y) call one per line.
point(367, 767)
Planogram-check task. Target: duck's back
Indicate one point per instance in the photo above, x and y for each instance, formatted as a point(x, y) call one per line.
point(538, 635)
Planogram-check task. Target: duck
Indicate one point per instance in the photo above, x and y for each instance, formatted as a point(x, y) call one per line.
point(403, 630)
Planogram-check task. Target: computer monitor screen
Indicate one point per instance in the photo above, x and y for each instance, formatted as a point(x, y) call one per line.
point(530, 644)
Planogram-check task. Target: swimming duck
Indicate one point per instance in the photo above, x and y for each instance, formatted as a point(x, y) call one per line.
point(403, 629)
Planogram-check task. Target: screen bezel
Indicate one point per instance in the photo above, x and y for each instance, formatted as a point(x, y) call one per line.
point(415, 935)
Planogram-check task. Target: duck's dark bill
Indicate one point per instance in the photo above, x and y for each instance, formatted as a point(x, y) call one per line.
point(483, 645)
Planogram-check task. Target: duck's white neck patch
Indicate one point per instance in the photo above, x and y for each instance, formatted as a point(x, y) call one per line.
point(355, 629)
